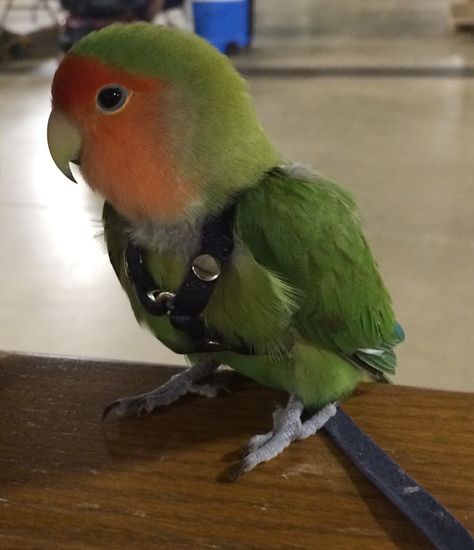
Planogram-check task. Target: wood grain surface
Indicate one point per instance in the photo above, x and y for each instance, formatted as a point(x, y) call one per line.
point(159, 481)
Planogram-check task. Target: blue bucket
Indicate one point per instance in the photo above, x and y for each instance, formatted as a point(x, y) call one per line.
point(223, 23)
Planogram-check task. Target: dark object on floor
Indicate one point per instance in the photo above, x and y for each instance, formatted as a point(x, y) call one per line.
point(171, 4)
point(13, 46)
point(86, 16)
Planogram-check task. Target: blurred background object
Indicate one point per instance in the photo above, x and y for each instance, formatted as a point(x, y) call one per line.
point(13, 46)
point(225, 24)
point(378, 94)
point(33, 7)
point(21, 45)
point(175, 13)
point(85, 16)
point(463, 15)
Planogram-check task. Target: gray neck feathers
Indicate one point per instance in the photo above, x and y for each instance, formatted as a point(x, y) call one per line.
point(182, 239)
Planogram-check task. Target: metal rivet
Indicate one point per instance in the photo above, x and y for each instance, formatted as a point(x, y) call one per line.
point(158, 296)
point(206, 267)
point(211, 345)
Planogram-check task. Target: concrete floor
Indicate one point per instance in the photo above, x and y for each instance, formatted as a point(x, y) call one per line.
point(403, 146)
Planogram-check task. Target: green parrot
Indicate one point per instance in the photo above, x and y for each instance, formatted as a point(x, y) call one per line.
point(161, 125)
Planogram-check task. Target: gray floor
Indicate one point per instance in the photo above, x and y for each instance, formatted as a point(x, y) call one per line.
point(403, 146)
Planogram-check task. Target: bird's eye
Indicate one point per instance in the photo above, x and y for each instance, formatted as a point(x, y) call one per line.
point(112, 98)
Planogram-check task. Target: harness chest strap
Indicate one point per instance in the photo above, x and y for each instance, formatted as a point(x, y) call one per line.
point(185, 307)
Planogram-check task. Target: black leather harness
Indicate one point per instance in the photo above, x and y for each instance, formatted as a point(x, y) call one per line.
point(185, 307)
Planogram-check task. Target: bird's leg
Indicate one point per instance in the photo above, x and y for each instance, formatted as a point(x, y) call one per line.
point(177, 386)
point(287, 427)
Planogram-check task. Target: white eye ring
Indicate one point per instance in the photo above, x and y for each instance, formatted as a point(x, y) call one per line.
point(111, 98)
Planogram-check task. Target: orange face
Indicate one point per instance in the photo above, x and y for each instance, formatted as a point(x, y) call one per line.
point(127, 153)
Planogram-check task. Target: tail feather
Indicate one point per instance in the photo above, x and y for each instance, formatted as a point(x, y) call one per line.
point(381, 361)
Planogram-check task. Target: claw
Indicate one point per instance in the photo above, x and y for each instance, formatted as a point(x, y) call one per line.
point(287, 427)
point(170, 391)
point(130, 406)
point(255, 443)
point(110, 407)
point(120, 408)
point(246, 464)
point(141, 409)
point(244, 451)
point(236, 471)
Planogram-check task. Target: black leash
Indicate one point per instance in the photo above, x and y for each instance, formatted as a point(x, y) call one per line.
point(429, 515)
point(185, 309)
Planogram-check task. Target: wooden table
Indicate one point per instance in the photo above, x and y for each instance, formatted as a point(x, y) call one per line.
point(158, 481)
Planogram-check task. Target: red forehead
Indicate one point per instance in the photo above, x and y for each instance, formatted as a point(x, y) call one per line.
point(78, 80)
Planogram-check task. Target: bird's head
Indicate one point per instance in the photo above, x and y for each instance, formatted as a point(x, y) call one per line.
point(157, 121)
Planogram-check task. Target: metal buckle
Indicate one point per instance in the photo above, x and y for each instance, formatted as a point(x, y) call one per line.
point(161, 297)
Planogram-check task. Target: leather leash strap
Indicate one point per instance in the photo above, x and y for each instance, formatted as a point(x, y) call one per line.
point(430, 516)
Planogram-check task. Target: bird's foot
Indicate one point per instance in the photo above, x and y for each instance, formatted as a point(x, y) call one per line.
point(177, 386)
point(287, 427)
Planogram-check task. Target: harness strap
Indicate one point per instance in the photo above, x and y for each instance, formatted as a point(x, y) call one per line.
point(187, 304)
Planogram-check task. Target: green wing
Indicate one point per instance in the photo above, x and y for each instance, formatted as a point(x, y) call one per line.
point(307, 230)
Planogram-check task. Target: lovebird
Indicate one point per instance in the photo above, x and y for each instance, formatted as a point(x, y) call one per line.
point(229, 253)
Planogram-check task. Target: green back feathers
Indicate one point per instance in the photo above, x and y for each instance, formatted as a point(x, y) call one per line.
point(215, 136)
point(309, 233)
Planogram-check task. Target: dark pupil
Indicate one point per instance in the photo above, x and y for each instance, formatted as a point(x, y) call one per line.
point(109, 98)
